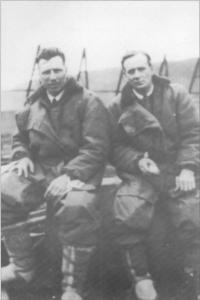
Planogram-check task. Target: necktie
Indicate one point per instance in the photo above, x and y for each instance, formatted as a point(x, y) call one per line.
point(146, 102)
point(54, 102)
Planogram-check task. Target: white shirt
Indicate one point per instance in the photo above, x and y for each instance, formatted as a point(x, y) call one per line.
point(57, 97)
point(140, 96)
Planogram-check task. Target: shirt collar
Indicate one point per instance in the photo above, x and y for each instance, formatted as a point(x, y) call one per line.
point(57, 97)
point(140, 96)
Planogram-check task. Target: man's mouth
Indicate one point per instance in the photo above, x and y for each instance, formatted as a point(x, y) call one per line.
point(140, 82)
point(53, 86)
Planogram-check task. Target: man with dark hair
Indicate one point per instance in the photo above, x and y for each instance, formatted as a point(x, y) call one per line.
point(59, 153)
point(132, 54)
point(48, 53)
point(156, 154)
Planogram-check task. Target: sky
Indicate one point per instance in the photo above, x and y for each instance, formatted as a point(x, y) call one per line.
point(107, 29)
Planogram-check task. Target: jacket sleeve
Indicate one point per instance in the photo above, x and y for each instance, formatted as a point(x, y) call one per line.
point(20, 143)
point(95, 141)
point(123, 156)
point(189, 129)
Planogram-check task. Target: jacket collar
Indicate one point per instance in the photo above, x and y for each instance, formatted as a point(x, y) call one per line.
point(56, 98)
point(39, 118)
point(140, 96)
point(71, 88)
point(128, 97)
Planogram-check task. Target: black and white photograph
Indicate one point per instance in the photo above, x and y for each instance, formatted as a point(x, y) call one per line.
point(100, 150)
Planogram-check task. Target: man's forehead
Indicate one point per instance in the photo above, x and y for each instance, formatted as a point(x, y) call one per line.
point(52, 63)
point(135, 61)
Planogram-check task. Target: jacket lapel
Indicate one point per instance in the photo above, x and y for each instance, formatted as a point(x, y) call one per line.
point(39, 118)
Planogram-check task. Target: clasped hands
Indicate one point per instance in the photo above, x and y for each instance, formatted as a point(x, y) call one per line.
point(59, 186)
point(185, 181)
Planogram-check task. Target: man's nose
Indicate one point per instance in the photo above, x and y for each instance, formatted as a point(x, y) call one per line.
point(52, 75)
point(136, 74)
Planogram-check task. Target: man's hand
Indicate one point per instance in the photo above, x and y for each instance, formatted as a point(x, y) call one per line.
point(58, 186)
point(148, 166)
point(185, 181)
point(23, 167)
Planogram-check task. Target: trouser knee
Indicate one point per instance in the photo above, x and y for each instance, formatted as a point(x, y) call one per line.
point(185, 216)
point(76, 218)
point(133, 211)
point(19, 196)
point(132, 217)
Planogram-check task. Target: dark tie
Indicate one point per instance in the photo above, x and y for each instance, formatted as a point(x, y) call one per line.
point(146, 101)
point(54, 102)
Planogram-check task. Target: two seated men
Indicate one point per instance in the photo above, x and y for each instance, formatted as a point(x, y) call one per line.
point(64, 138)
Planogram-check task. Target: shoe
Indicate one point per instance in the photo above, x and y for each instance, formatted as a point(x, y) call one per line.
point(144, 289)
point(9, 273)
point(4, 294)
point(19, 247)
point(70, 294)
point(143, 285)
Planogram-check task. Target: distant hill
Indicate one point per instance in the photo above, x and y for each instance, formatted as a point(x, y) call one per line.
point(180, 71)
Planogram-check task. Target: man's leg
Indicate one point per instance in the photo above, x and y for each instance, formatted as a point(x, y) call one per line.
point(185, 214)
point(19, 196)
point(132, 219)
point(76, 221)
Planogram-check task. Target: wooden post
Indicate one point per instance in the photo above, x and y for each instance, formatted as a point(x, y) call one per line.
point(164, 68)
point(32, 73)
point(83, 62)
point(195, 75)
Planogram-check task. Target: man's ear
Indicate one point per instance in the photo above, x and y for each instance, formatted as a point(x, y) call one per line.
point(124, 73)
point(38, 70)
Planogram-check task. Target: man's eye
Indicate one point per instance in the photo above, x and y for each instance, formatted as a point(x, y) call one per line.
point(131, 72)
point(57, 70)
point(46, 72)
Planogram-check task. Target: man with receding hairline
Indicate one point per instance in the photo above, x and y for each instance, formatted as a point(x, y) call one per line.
point(156, 154)
point(59, 154)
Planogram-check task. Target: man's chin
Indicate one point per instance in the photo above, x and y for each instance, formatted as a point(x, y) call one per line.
point(140, 88)
point(54, 91)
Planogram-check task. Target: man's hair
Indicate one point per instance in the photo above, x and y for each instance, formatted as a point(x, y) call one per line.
point(48, 53)
point(132, 54)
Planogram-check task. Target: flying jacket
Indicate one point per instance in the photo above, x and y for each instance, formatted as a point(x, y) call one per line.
point(80, 145)
point(168, 131)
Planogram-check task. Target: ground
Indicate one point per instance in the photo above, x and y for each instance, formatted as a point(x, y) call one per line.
point(107, 274)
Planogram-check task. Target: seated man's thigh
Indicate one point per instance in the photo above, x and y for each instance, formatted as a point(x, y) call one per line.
point(77, 204)
point(20, 192)
point(76, 217)
point(134, 203)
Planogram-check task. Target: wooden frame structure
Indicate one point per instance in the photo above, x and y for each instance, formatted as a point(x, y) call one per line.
point(195, 76)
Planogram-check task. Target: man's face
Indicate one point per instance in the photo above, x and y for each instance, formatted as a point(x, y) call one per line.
point(52, 74)
point(138, 72)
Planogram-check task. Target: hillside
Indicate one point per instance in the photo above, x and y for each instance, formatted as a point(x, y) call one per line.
point(106, 80)
point(180, 71)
